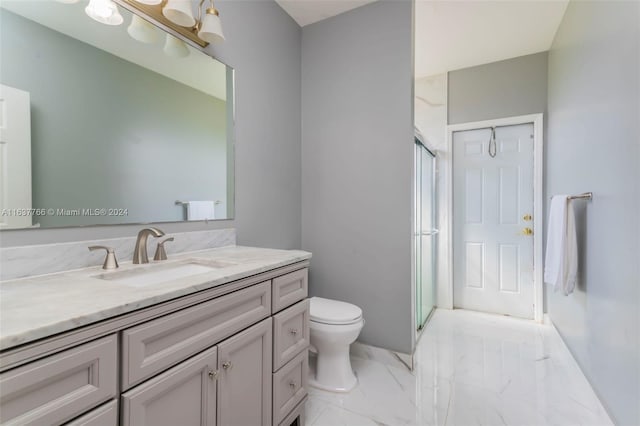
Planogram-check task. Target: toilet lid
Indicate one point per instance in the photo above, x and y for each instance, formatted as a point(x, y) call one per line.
point(329, 311)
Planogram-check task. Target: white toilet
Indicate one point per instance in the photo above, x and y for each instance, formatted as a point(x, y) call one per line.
point(334, 326)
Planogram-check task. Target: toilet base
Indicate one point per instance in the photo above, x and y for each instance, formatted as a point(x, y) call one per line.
point(313, 383)
point(331, 370)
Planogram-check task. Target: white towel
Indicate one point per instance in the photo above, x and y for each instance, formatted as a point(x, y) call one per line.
point(561, 259)
point(200, 210)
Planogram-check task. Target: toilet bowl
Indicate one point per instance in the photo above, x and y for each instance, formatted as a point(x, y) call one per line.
point(334, 326)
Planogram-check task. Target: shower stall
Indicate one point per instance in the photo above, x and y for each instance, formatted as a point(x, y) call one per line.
point(425, 231)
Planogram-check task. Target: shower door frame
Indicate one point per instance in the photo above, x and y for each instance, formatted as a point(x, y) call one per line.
point(538, 201)
point(418, 323)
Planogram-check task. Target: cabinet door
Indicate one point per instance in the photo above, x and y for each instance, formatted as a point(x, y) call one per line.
point(184, 395)
point(244, 384)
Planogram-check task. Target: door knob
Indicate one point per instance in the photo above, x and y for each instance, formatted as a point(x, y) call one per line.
point(527, 231)
point(527, 217)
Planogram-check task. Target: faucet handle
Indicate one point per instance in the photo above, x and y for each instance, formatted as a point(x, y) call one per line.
point(110, 262)
point(161, 253)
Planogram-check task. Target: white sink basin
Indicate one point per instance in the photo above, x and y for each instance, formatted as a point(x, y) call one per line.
point(157, 274)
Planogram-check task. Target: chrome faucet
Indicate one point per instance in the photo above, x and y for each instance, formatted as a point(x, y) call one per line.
point(140, 252)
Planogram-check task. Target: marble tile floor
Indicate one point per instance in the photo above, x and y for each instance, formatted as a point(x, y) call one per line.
point(471, 369)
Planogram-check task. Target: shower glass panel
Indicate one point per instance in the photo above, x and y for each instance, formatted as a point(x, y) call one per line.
point(425, 232)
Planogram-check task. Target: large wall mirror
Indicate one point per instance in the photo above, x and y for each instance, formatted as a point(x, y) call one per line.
point(99, 128)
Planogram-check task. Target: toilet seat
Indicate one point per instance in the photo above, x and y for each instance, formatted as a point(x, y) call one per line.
point(333, 312)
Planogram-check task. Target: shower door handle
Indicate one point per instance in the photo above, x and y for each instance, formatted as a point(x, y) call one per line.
point(431, 232)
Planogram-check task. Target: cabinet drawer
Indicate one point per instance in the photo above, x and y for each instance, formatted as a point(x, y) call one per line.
point(296, 417)
point(60, 387)
point(161, 343)
point(290, 333)
point(289, 288)
point(290, 386)
point(105, 415)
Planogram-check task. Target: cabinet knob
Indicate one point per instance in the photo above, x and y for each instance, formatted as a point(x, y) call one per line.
point(213, 374)
point(227, 365)
point(293, 331)
point(293, 384)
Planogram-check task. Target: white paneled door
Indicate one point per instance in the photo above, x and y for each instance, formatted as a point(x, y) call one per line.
point(493, 220)
point(15, 159)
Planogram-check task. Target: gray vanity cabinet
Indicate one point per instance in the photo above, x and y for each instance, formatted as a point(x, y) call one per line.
point(227, 356)
point(244, 379)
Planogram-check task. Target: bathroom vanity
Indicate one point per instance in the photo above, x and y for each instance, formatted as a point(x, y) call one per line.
point(215, 337)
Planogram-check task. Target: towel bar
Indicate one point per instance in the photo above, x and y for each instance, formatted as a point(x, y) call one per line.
point(178, 202)
point(585, 196)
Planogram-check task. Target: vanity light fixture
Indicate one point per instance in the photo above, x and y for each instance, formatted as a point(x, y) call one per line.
point(142, 30)
point(210, 28)
point(104, 11)
point(175, 47)
point(178, 16)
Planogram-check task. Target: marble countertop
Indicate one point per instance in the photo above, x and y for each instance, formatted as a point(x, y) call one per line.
point(36, 307)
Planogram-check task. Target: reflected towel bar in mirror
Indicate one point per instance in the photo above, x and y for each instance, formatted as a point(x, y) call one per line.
point(584, 196)
point(184, 203)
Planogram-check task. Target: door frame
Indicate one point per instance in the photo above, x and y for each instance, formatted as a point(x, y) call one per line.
point(538, 200)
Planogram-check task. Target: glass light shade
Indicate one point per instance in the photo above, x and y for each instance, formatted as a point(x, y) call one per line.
point(142, 30)
point(179, 12)
point(211, 29)
point(150, 2)
point(104, 11)
point(175, 48)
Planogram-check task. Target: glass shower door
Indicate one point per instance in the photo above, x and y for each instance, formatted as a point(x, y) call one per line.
point(425, 232)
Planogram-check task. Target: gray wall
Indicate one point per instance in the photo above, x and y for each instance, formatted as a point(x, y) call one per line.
point(139, 140)
point(594, 145)
point(501, 89)
point(263, 46)
point(357, 152)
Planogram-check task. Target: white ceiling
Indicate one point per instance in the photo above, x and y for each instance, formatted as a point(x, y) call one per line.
point(451, 35)
point(455, 34)
point(306, 12)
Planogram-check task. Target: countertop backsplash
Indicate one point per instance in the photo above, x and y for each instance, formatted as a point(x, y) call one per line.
point(27, 261)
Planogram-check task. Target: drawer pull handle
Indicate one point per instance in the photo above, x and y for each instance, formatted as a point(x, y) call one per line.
point(213, 375)
point(292, 384)
point(293, 331)
point(227, 365)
